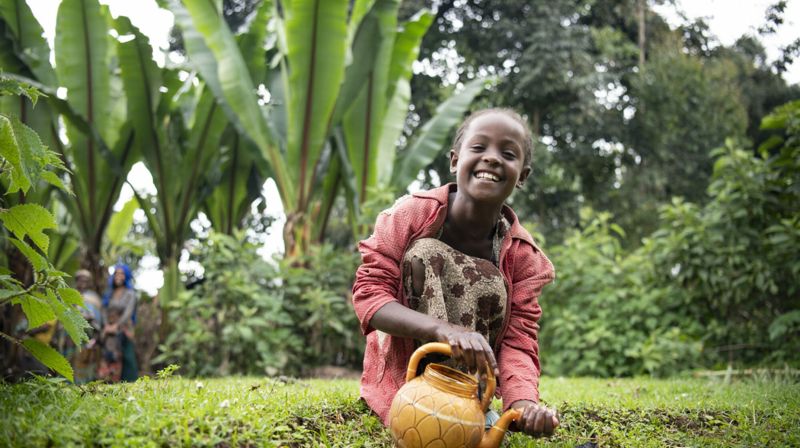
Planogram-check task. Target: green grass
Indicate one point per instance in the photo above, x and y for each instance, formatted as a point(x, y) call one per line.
point(267, 412)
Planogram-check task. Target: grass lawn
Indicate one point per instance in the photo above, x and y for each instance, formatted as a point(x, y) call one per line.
point(268, 412)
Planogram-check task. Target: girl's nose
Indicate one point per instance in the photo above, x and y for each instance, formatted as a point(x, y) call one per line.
point(491, 158)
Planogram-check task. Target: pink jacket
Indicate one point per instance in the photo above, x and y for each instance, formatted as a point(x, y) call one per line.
point(378, 281)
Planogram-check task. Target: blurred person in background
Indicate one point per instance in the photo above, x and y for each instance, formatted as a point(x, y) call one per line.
point(120, 298)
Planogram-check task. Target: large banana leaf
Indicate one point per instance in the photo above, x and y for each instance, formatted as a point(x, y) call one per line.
point(84, 65)
point(216, 55)
point(362, 122)
point(29, 43)
point(241, 178)
point(177, 147)
point(405, 52)
point(316, 38)
point(431, 138)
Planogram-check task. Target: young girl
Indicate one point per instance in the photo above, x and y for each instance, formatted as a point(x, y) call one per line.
point(454, 265)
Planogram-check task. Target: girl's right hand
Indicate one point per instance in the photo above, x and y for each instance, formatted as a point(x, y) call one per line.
point(469, 348)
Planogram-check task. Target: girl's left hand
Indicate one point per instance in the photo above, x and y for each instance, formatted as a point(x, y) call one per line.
point(536, 420)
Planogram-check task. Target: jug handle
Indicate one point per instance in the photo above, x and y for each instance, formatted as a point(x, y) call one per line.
point(444, 349)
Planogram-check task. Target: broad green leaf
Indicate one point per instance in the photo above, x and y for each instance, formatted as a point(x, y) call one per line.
point(38, 262)
point(70, 296)
point(82, 58)
point(71, 319)
point(316, 37)
point(362, 123)
point(49, 357)
point(10, 152)
point(227, 74)
point(398, 93)
point(53, 179)
point(431, 138)
point(392, 128)
point(121, 222)
point(25, 153)
point(37, 311)
point(29, 42)
point(29, 220)
point(406, 48)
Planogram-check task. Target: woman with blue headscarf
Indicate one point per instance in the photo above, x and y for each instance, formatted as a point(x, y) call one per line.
point(119, 309)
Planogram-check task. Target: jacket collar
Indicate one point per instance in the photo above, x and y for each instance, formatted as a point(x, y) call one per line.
point(441, 194)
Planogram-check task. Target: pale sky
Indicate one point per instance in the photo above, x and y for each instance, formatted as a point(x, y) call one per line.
point(728, 19)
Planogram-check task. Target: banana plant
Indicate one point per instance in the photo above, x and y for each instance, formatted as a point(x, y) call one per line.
point(177, 128)
point(98, 150)
point(338, 76)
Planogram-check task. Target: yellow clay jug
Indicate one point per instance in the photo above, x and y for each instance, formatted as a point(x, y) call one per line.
point(441, 408)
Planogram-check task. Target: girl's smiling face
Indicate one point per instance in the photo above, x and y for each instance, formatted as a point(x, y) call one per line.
point(490, 161)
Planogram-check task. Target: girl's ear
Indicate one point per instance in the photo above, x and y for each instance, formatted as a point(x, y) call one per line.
point(522, 176)
point(453, 161)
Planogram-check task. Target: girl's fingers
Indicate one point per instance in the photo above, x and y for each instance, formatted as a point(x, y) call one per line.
point(489, 354)
point(469, 354)
point(538, 422)
point(547, 421)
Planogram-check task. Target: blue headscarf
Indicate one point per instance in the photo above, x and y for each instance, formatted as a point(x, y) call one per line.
point(128, 285)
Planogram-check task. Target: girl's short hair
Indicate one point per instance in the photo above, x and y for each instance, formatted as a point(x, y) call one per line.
point(528, 143)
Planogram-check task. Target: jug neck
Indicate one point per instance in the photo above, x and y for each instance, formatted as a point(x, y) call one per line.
point(451, 380)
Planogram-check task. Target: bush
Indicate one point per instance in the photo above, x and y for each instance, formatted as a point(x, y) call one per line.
point(316, 288)
point(233, 321)
point(735, 259)
point(248, 316)
point(603, 316)
point(720, 279)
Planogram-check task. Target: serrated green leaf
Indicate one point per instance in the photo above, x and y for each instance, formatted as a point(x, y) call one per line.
point(10, 152)
point(38, 262)
point(72, 320)
point(53, 179)
point(49, 357)
point(14, 87)
point(36, 310)
point(29, 220)
point(30, 156)
point(70, 296)
point(6, 293)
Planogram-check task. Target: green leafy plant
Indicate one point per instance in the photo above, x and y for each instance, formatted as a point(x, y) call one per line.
point(233, 321)
point(316, 290)
point(25, 163)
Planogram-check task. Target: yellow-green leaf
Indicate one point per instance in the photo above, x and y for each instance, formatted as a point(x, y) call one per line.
point(29, 220)
point(36, 310)
point(72, 320)
point(49, 357)
point(70, 296)
point(38, 262)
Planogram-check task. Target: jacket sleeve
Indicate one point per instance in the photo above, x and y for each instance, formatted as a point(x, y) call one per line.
point(519, 351)
point(378, 278)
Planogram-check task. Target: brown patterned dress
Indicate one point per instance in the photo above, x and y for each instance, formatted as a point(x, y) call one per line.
point(458, 288)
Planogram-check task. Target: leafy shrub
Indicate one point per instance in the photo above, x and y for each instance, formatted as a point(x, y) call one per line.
point(316, 288)
point(735, 259)
point(603, 316)
point(718, 280)
point(233, 322)
point(249, 316)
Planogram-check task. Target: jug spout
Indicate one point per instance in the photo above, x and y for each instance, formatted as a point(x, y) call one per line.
point(495, 434)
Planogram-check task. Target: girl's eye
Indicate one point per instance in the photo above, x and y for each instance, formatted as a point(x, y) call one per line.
point(510, 154)
point(477, 147)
